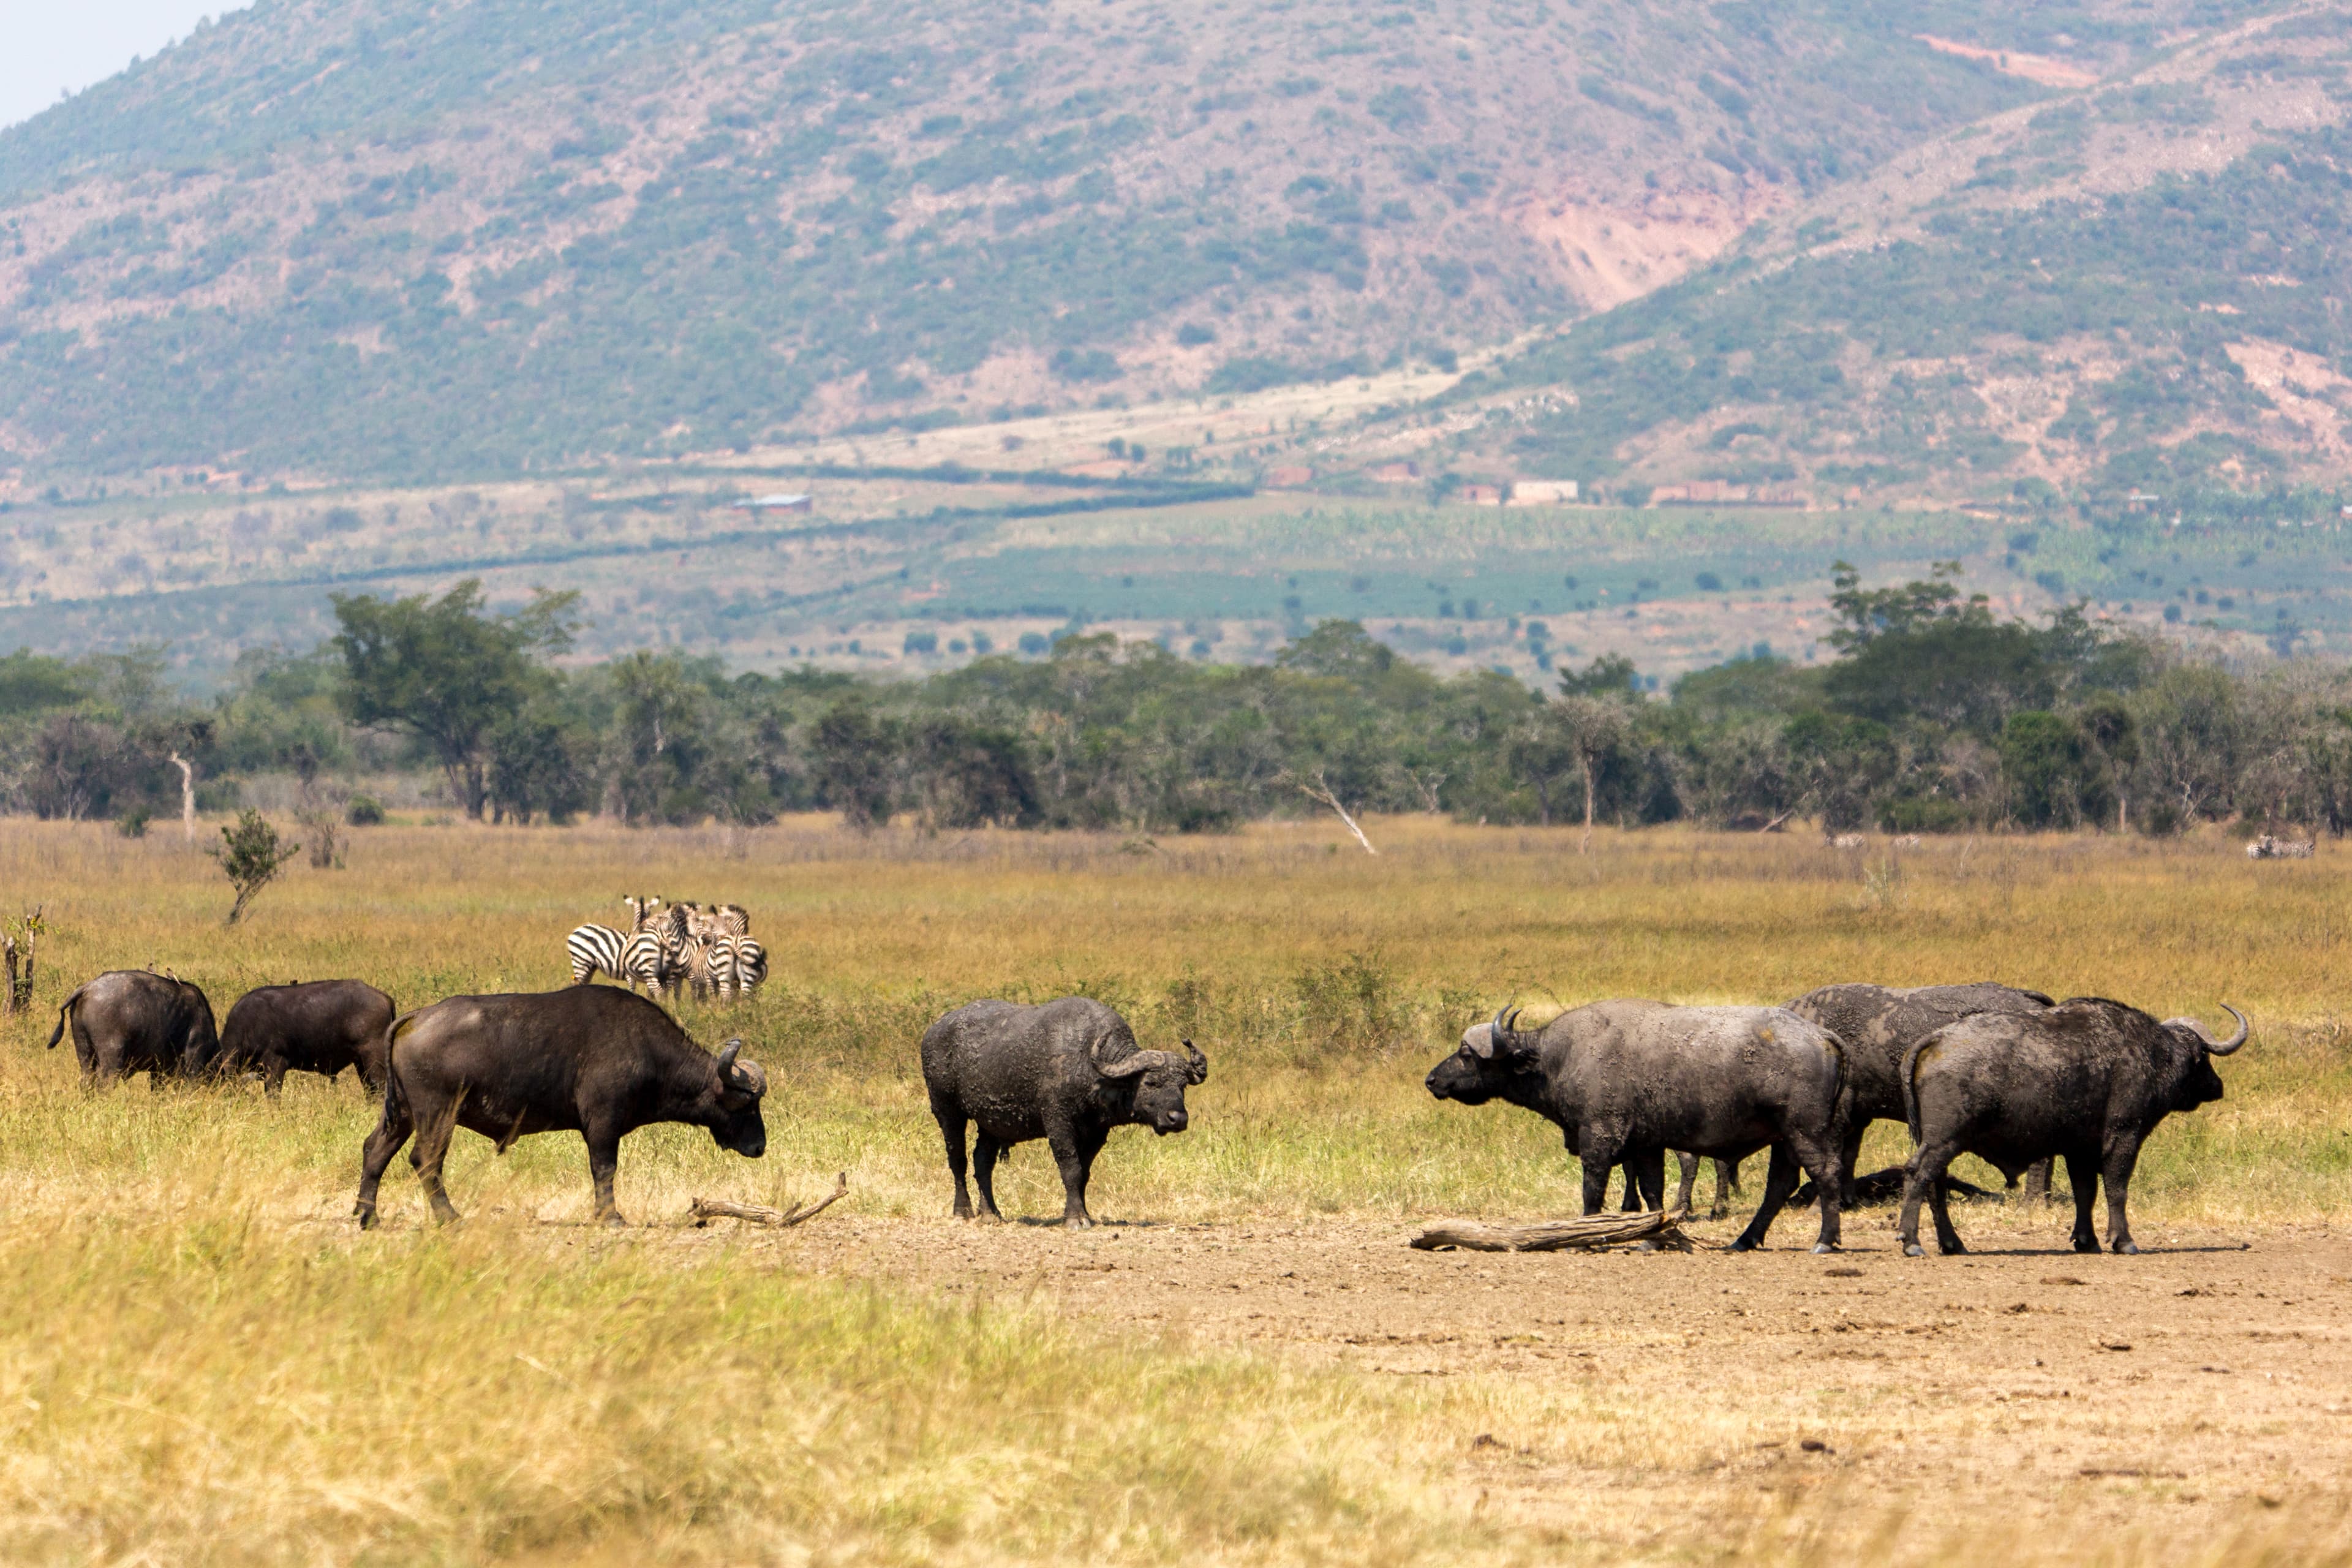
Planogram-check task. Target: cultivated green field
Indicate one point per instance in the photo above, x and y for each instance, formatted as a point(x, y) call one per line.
point(202, 1361)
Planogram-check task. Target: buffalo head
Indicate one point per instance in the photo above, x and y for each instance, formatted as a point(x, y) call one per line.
point(1159, 1079)
point(2201, 1085)
point(1492, 1057)
point(735, 1123)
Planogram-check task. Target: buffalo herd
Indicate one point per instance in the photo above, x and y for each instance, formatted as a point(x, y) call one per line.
point(2015, 1077)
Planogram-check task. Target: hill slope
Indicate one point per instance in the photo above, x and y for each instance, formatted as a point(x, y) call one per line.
point(2137, 287)
point(410, 237)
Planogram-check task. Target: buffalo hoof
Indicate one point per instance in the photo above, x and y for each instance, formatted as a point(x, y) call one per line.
point(1741, 1245)
point(1077, 1222)
point(365, 1215)
point(989, 1217)
point(2126, 1247)
point(610, 1220)
point(2087, 1243)
point(1821, 1247)
point(1913, 1249)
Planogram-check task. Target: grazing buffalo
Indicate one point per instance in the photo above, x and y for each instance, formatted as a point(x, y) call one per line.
point(591, 1059)
point(314, 1026)
point(134, 1020)
point(1878, 1025)
point(2087, 1080)
point(1634, 1078)
point(1068, 1072)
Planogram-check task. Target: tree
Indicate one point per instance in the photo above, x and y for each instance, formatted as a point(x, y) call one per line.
point(447, 671)
point(251, 854)
point(1593, 727)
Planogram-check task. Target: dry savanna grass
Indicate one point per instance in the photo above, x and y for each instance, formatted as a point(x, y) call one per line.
point(202, 1361)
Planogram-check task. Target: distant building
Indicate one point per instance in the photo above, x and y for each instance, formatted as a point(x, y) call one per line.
point(1289, 478)
point(1543, 492)
point(783, 502)
point(1483, 495)
point(1396, 473)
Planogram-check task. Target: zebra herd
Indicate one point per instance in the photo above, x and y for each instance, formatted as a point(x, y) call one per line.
point(672, 948)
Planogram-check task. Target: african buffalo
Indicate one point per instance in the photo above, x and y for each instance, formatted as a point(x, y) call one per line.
point(134, 1020)
point(1633, 1078)
point(1876, 1025)
point(2087, 1080)
point(591, 1059)
point(314, 1026)
point(1068, 1072)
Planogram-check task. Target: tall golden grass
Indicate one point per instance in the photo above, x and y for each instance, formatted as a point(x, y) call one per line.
point(202, 1361)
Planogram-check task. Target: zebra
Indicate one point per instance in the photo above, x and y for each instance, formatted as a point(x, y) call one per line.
point(596, 949)
point(749, 969)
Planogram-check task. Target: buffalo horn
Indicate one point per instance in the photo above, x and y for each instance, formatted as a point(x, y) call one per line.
point(727, 1054)
point(1196, 1065)
point(1125, 1067)
point(2223, 1047)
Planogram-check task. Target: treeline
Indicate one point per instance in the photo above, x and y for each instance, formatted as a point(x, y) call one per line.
point(1934, 716)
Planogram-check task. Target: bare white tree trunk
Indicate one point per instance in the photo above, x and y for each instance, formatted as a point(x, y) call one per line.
point(1320, 791)
point(187, 796)
point(1587, 848)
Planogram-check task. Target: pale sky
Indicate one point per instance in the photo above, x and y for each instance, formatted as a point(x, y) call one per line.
point(47, 46)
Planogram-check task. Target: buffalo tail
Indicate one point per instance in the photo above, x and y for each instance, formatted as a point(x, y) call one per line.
point(65, 1011)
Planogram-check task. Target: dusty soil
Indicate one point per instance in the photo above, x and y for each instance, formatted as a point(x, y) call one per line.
point(2024, 1390)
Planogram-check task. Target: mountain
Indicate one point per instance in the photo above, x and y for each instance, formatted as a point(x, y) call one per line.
point(2136, 289)
point(418, 238)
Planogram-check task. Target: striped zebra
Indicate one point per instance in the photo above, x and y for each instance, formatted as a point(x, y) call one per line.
point(749, 969)
point(595, 950)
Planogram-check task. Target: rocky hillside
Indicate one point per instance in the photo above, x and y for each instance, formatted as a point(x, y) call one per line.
point(420, 237)
point(2131, 294)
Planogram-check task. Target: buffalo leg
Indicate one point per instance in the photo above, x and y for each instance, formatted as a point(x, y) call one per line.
point(2083, 1174)
point(2115, 1165)
point(273, 1077)
point(1726, 1186)
point(1649, 1168)
point(1631, 1201)
point(603, 1164)
point(952, 1127)
point(434, 1130)
point(1689, 1163)
point(1848, 1157)
point(2037, 1182)
point(1923, 1177)
point(1819, 1160)
point(1600, 1158)
point(985, 1152)
point(1072, 1164)
point(1781, 1180)
point(383, 1143)
point(1090, 1144)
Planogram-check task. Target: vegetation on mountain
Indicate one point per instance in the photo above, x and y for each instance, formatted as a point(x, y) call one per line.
point(394, 238)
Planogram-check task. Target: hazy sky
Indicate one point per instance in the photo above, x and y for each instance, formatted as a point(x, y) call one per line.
point(54, 46)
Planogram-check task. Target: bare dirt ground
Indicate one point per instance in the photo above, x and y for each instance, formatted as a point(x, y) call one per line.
point(2023, 1389)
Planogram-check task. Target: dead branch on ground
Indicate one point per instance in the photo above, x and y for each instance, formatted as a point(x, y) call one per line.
point(705, 1210)
point(1553, 1236)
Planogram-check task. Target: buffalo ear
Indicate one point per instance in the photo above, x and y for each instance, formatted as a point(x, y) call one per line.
point(1196, 1065)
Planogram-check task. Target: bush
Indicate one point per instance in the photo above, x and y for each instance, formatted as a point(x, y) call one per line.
point(365, 811)
point(134, 823)
point(921, 642)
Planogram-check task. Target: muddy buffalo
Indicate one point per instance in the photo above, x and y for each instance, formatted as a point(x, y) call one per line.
point(314, 1025)
point(1068, 1071)
point(2085, 1081)
point(133, 1020)
point(1878, 1025)
point(591, 1059)
point(1630, 1079)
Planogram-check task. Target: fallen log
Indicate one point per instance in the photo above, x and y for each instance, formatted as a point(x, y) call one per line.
point(705, 1210)
point(1556, 1235)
